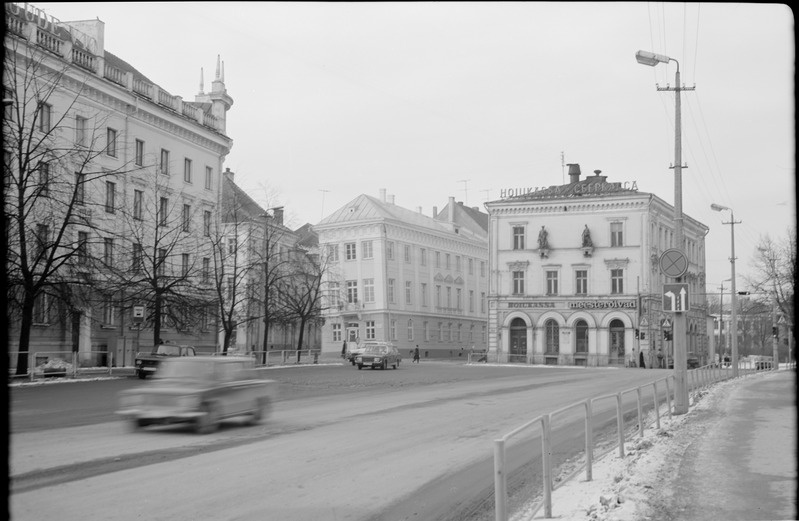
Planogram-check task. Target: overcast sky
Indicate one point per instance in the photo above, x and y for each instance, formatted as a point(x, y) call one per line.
point(432, 100)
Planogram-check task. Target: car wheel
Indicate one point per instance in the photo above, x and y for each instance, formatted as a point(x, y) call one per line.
point(261, 410)
point(394, 365)
point(360, 366)
point(384, 366)
point(138, 424)
point(142, 374)
point(209, 421)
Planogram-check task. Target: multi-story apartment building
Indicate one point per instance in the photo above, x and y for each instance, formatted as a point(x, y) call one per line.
point(396, 275)
point(575, 276)
point(120, 192)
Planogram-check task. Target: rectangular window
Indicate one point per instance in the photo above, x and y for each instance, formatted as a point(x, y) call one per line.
point(410, 330)
point(458, 299)
point(231, 289)
point(160, 267)
point(482, 268)
point(393, 330)
point(163, 207)
point(332, 252)
point(518, 283)
point(83, 248)
point(108, 251)
point(368, 290)
point(407, 253)
point(209, 176)
point(581, 282)
point(390, 251)
point(336, 332)
point(482, 302)
point(349, 249)
point(352, 291)
point(616, 237)
point(440, 331)
point(165, 161)
point(184, 264)
point(80, 131)
point(438, 259)
point(617, 281)
point(45, 117)
point(424, 294)
point(366, 250)
point(370, 330)
point(438, 296)
point(426, 332)
point(186, 217)
point(206, 269)
point(110, 196)
point(139, 155)
point(423, 257)
point(471, 266)
point(41, 309)
point(42, 238)
point(186, 170)
point(552, 282)
point(111, 142)
point(231, 245)
point(390, 291)
point(80, 188)
point(137, 260)
point(333, 294)
point(138, 204)
point(446, 261)
point(207, 223)
point(449, 297)
point(471, 301)
point(109, 312)
point(518, 237)
point(44, 178)
point(457, 263)
point(408, 292)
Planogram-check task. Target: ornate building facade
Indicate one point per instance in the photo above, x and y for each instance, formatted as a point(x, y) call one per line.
point(575, 276)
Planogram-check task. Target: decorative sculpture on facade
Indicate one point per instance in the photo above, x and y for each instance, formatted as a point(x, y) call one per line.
point(543, 243)
point(588, 244)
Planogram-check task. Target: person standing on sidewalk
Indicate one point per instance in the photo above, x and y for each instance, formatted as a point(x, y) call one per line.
point(416, 354)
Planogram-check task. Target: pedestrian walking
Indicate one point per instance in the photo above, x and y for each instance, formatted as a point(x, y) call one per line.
point(344, 350)
point(416, 354)
point(641, 363)
point(660, 358)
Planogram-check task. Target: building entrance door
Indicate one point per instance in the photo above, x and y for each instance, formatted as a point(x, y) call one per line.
point(518, 337)
point(616, 341)
point(352, 332)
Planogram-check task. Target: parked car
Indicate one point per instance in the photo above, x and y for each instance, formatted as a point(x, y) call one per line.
point(693, 361)
point(379, 357)
point(147, 363)
point(200, 390)
point(354, 352)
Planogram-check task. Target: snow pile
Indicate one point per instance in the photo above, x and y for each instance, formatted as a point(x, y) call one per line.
point(623, 489)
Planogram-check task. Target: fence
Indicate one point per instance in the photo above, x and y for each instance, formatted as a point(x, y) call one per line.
point(697, 379)
point(44, 364)
point(281, 357)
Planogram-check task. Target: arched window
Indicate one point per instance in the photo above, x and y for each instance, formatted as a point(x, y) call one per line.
point(581, 336)
point(518, 337)
point(552, 336)
point(616, 339)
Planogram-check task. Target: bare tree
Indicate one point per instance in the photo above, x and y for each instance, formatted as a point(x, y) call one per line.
point(302, 293)
point(775, 271)
point(51, 169)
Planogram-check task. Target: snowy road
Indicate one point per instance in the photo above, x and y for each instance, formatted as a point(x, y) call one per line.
point(341, 457)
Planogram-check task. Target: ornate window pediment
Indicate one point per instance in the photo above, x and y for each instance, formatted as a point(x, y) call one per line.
point(438, 278)
point(617, 263)
point(518, 265)
point(458, 280)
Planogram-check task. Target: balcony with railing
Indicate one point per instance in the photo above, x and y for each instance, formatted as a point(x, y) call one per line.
point(116, 75)
point(49, 41)
point(83, 59)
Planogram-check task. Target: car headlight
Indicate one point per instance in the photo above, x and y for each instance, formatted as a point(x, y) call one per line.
point(358, 359)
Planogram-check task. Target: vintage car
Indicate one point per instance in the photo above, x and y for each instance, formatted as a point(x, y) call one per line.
point(147, 363)
point(200, 390)
point(692, 361)
point(378, 357)
point(353, 352)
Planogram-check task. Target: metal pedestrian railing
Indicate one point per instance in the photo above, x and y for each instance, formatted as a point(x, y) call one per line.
point(699, 378)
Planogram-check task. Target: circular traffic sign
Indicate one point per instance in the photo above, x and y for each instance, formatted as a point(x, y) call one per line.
point(673, 263)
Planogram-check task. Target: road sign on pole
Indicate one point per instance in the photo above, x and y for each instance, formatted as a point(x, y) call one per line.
point(138, 314)
point(673, 263)
point(675, 298)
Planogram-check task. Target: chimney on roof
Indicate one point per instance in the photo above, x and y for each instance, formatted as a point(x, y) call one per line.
point(598, 178)
point(435, 211)
point(228, 174)
point(451, 213)
point(383, 195)
point(391, 199)
point(574, 173)
point(419, 209)
point(277, 213)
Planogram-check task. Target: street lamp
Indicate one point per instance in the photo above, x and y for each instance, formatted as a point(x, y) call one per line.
point(680, 340)
point(733, 294)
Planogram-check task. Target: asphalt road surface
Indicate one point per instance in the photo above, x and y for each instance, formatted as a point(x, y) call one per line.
point(341, 444)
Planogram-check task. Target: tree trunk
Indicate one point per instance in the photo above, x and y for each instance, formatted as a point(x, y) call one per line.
point(25, 335)
point(157, 319)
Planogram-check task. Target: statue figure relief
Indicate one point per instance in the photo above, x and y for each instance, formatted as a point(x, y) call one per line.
point(587, 243)
point(543, 244)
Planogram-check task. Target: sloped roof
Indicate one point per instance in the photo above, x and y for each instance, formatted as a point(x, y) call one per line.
point(466, 217)
point(368, 208)
point(238, 206)
point(117, 62)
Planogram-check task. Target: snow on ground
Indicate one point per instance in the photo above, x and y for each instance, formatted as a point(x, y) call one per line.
point(622, 489)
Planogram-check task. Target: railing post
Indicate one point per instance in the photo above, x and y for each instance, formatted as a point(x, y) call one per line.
point(546, 454)
point(640, 413)
point(589, 441)
point(668, 396)
point(500, 482)
point(31, 358)
point(620, 424)
point(74, 364)
point(110, 361)
point(657, 405)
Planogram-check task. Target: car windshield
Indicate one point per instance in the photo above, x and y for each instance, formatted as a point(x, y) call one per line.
point(376, 350)
point(165, 349)
point(186, 368)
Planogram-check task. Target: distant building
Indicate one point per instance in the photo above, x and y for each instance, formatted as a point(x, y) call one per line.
point(393, 274)
point(575, 276)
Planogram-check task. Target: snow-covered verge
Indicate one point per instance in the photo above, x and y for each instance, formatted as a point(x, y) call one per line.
point(623, 489)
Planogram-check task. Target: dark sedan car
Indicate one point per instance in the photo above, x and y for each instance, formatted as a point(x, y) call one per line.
point(378, 357)
point(147, 363)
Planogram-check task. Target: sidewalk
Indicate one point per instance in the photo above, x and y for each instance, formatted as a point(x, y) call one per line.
point(732, 457)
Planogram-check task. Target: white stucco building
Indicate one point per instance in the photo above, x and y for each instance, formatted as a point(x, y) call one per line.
point(396, 275)
point(575, 276)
